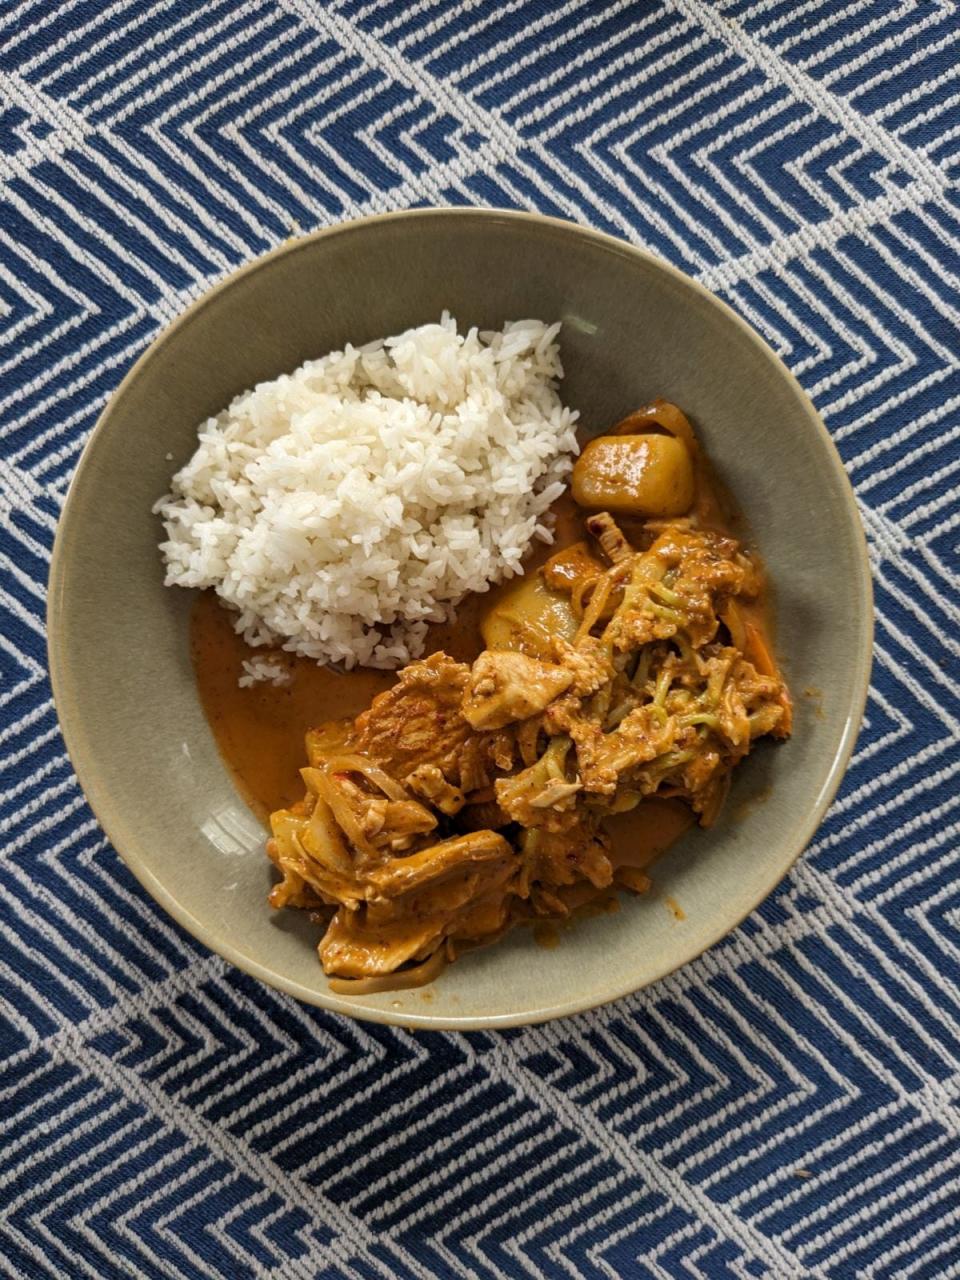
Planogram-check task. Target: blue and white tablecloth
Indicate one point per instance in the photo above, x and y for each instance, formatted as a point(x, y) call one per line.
point(787, 1105)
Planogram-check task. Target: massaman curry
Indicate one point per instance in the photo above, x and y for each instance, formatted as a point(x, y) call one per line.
point(557, 737)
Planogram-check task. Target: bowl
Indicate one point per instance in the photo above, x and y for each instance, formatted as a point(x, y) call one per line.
point(633, 328)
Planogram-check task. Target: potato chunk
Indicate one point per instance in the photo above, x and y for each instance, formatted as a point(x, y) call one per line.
point(528, 616)
point(642, 475)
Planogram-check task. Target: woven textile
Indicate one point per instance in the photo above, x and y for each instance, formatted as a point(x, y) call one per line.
point(785, 1106)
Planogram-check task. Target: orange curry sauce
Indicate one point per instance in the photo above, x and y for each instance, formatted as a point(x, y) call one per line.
point(260, 730)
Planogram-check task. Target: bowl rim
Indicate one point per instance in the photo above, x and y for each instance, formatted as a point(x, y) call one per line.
point(100, 802)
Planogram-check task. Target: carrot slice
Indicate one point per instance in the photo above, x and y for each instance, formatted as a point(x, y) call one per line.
point(757, 651)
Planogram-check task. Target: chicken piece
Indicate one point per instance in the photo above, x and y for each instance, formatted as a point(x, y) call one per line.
point(562, 858)
point(418, 721)
point(355, 946)
point(501, 746)
point(429, 782)
point(506, 686)
point(588, 663)
point(475, 765)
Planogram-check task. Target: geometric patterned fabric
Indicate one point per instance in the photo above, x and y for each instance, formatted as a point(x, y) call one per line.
point(787, 1105)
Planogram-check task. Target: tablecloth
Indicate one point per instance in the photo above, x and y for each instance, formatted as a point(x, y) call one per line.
point(785, 1106)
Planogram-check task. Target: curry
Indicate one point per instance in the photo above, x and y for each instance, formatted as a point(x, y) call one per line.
point(552, 742)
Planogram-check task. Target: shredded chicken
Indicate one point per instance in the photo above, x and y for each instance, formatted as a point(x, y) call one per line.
point(505, 687)
point(418, 721)
point(466, 798)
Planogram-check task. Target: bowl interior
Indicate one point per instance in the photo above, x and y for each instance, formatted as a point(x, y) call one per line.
point(632, 329)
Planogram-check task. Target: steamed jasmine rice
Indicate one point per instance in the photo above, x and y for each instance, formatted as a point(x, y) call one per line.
point(269, 670)
point(341, 508)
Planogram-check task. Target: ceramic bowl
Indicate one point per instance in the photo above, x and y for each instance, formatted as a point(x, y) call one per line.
point(633, 328)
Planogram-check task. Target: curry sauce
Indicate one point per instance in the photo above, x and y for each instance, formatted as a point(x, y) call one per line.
point(559, 734)
point(260, 730)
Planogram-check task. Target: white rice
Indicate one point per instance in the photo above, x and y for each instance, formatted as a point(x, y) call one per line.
point(268, 670)
point(344, 506)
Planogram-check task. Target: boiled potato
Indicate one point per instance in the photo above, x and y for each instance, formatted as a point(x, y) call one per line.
point(570, 567)
point(639, 475)
point(527, 616)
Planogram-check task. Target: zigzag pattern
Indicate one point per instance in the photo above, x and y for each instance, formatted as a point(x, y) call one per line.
point(787, 1105)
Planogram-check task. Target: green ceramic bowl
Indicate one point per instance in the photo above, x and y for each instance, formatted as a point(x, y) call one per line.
point(633, 329)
